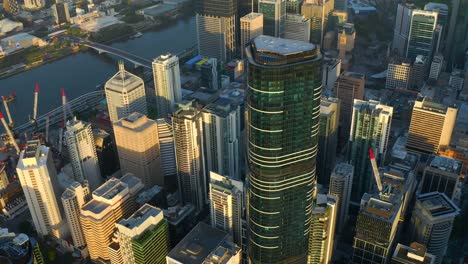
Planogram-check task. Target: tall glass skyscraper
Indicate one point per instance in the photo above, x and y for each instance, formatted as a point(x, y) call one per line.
point(422, 34)
point(283, 111)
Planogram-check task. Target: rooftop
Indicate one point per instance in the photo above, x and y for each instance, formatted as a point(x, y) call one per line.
point(175, 215)
point(281, 46)
point(415, 253)
point(141, 216)
point(342, 170)
point(380, 208)
point(437, 205)
point(123, 81)
point(445, 164)
point(251, 16)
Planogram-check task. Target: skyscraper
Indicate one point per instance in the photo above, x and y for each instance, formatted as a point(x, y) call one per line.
point(136, 137)
point(251, 26)
point(187, 126)
point(216, 28)
point(209, 74)
point(125, 94)
point(402, 28)
point(442, 174)
point(328, 138)
point(274, 16)
point(370, 128)
point(73, 199)
point(38, 178)
point(431, 126)
point(283, 122)
point(82, 151)
point(432, 221)
point(317, 11)
point(61, 13)
point(418, 73)
point(222, 135)
point(296, 27)
point(226, 205)
point(167, 150)
point(166, 76)
point(398, 74)
point(436, 66)
point(457, 47)
point(421, 36)
point(340, 187)
point(10, 6)
point(106, 152)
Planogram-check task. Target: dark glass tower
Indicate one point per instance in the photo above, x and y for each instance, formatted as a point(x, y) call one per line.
point(283, 110)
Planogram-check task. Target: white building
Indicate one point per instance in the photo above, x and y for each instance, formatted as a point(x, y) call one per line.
point(341, 181)
point(251, 26)
point(125, 94)
point(73, 199)
point(296, 27)
point(166, 76)
point(38, 177)
point(436, 66)
point(166, 146)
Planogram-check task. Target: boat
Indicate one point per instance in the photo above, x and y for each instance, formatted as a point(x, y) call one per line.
point(9, 98)
point(137, 35)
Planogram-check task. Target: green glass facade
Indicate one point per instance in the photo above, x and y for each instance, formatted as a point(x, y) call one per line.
point(274, 16)
point(422, 34)
point(153, 245)
point(283, 108)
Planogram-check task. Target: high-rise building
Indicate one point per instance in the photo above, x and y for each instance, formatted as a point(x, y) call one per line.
point(442, 174)
point(413, 254)
point(125, 94)
point(370, 128)
point(274, 16)
point(328, 138)
point(398, 74)
point(402, 28)
point(166, 146)
point(222, 136)
point(82, 151)
point(143, 237)
point(210, 78)
point(10, 6)
point(421, 37)
point(348, 87)
point(436, 66)
point(34, 4)
point(296, 27)
point(457, 79)
point(418, 73)
point(346, 37)
point(106, 152)
point(340, 186)
point(322, 229)
point(431, 126)
point(283, 122)
point(38, 178)
point(166, 76)
point(61, 13)
point(111, 202)
point(251, 26)
point(331, 72)
point(73, 199)
point(136, 137)
point(226, 205)
point(187, 127)
point(19, 248)
point(458, 39)
point(216, 28)
point(432, 221)
point(318, 12)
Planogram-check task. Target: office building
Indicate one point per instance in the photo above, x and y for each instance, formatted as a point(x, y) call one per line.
point(216, 28)
point(209, 75)
point(346, 38)
point(296, 27)
point(293, 6)
point(82, 153)
point(38, 178)
point(442, 174)
point(431, 126)
point(443, 18)
point(111, 202)
point(61, 13)
point(432, 221)
point(125, 94)
point(436, 66)
point(457, 34)
point(421, 37)
point(348, 87)
point(73, 198)
point(34, 4)
point(418, 73)
point(143, 238)
point(19, 248)
point(187, 124)
point(328, 138)
point(318, 12)
point(398, 74)
point(370, 128)
point(274, 17)
point(340, 186)
point(10, 6)
point(251, 26)
point(322, 229)
point(106, 152)
point(136, 137)
point(331, 72)
point(166, 76)
point(281, 155)
point(457, 79)
point(222, 136)
point(402, 28)
point(413, 254)
point(211, 246)
point(226, 205)
point(3, 177)
point(181, 220)
point(166, 146)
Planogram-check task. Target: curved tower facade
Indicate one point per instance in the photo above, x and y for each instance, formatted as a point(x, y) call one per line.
point(283, 110)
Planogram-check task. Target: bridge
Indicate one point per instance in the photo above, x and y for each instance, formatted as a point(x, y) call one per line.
point(101, 48)
point(78, 104)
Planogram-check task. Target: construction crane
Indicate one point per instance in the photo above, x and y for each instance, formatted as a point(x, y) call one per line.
point(375, 170)
point(7, 109)
point(10, 135)
point(36, 96)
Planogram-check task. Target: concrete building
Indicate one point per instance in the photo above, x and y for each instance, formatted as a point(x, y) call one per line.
point(167, 149)
point(125, 94)
point(331, 72)
point(432, 221)
point(38, 178)
point(402, 28)
point(436, 66)
point(166, 76)
point(413, 254)
point(187, 124)
point(340, 186)
point(322, 233)
point(421, 37)
point(112, 201)
point(442, 174)
point(398, 74)
point(73, 199)
point(318, 12)
point(431, 126)
point(296, 27)
point(82, 153)
point(61, 13)
point(251, 26)
point(418, 73)
point(222, 137)
point(136, 138)
point(456, 80)
point(274, 17)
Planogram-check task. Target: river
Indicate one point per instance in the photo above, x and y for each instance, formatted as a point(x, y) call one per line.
point(80, 73)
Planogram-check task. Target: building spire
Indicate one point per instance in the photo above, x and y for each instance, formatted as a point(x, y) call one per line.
point(122, 69)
